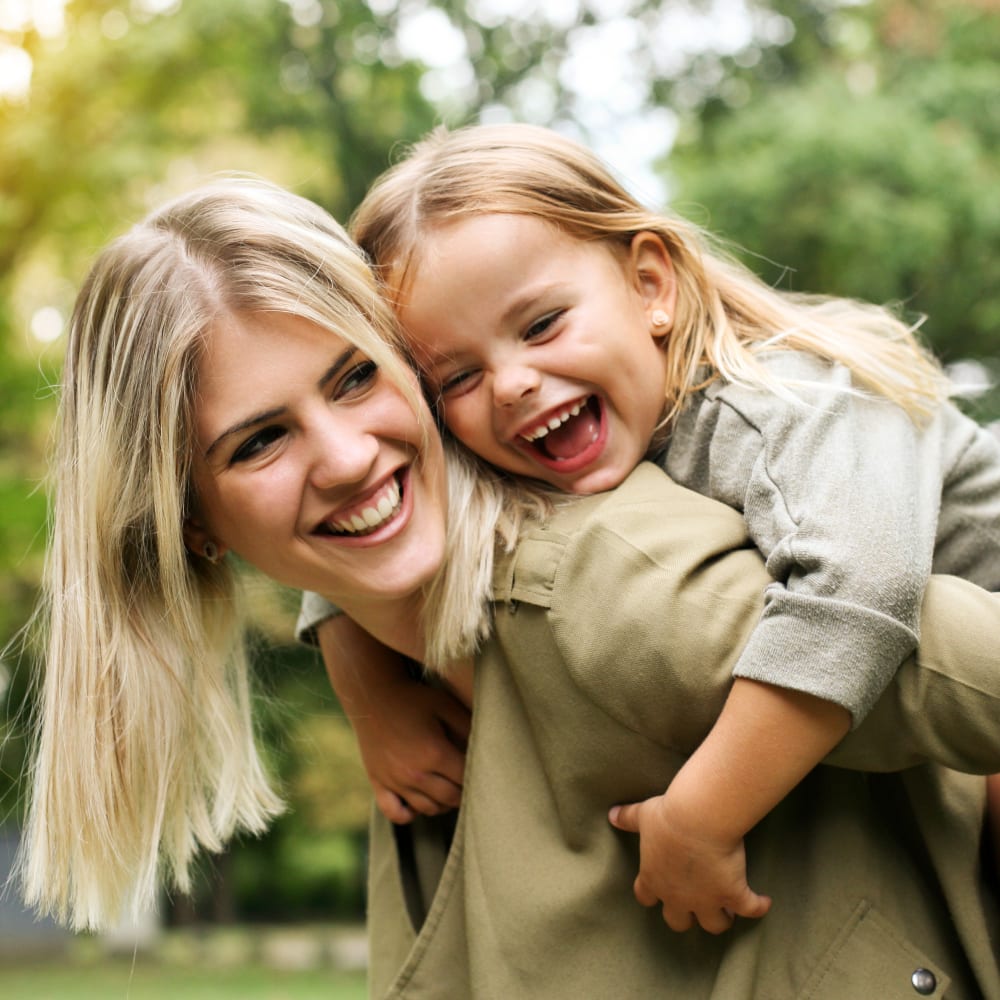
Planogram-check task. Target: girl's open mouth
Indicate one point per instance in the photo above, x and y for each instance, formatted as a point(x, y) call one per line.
point(569, 435)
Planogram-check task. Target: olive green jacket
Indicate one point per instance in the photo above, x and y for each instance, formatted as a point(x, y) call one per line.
point(617, 625)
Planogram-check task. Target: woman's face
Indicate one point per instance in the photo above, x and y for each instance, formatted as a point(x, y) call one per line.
point(312, 465)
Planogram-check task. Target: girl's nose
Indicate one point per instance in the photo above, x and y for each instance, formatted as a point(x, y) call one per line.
point(513, 383)
point(342, 454)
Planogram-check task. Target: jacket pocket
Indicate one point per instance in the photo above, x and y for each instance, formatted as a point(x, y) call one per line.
point(869, 958)
point(416, 928)
point(391, 930)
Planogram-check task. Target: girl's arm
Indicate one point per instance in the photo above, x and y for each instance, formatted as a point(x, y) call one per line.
point(411, 735)
point(841, 493)
point(692, 861)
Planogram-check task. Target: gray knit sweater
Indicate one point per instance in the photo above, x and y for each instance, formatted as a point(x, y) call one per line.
point(853, 506)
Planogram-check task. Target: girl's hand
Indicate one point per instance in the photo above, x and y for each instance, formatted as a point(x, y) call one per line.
point(411, 735)
point(412, 745)
point(697, 875)
point(992, 832)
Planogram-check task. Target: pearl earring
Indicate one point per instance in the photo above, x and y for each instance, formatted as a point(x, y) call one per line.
point(659, 318)
point(210, 551)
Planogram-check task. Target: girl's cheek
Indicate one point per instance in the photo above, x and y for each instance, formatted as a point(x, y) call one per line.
point(467, 428)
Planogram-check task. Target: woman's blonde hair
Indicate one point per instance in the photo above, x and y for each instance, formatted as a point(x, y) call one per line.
point(725, 315)
point(487, 511)
point(145, 749)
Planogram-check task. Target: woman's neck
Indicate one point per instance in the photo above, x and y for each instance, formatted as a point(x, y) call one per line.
point(396, 622)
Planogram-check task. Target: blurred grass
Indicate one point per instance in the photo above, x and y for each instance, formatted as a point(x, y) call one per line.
point(112, 979)
point(235, 962)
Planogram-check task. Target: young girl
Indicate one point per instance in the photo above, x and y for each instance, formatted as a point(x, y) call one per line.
point(567, 332)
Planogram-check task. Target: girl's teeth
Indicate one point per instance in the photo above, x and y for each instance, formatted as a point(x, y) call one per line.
point(554, 422)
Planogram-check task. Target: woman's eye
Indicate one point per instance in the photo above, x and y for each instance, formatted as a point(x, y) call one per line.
point(542, 326)
point(358, 378)
point(253, 446)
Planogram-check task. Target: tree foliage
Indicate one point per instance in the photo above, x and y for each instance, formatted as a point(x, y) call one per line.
point(874, 175)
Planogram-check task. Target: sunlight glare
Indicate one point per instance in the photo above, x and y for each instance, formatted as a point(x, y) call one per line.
point(431, 37)
point(15, 73)
point(47, 324)
point(15, 15)
point(47, 17)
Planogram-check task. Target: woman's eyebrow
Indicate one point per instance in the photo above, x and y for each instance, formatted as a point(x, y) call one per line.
point(342, 360)
point(257, 418)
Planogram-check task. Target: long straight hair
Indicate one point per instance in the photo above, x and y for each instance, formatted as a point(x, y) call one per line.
point(725, 315)
point(144, 746)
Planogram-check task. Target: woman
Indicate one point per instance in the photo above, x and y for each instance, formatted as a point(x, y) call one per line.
point(145, 738)
point(232, 382)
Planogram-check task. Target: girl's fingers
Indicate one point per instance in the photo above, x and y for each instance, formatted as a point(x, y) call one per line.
point(392, 806)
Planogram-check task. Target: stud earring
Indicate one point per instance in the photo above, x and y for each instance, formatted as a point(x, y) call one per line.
point(210, 551)
point(659, 318)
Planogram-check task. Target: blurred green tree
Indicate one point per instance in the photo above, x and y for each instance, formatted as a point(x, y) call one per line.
point(874, 173)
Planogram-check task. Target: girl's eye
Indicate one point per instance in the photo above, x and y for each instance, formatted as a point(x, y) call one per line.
point(359, 378)
point(543, 326)
point(256, 444)
point(459, 383)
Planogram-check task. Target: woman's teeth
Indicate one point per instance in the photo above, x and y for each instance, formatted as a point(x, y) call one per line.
point(369, 518)
point(554, 422)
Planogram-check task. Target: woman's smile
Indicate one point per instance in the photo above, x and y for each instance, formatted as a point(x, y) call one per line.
point(365, 516)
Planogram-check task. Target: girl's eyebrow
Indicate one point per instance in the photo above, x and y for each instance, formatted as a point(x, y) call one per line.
point(526, 299)
point(341, 361)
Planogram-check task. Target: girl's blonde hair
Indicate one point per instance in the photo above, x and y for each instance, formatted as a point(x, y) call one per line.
point(145, 749)
point(725, 315)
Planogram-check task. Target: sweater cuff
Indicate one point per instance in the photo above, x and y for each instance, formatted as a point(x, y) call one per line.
point(830, 649)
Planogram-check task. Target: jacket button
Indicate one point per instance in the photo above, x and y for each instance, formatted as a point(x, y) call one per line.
point(924, 981)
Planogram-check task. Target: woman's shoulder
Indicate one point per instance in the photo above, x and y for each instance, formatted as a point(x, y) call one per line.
point(642, 595)
point(647, 518)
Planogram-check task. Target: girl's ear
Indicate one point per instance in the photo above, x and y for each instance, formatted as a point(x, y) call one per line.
point(655, 279)
point(198, 541)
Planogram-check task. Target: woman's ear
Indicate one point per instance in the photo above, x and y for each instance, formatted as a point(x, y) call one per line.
point(655, 279)
point(198, 541)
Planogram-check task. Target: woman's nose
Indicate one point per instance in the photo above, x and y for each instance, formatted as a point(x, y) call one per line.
point(341, 454)
point(513, 382)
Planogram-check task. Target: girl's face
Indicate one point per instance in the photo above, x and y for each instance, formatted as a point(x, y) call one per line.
point(311, 464)
point(540, 345)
